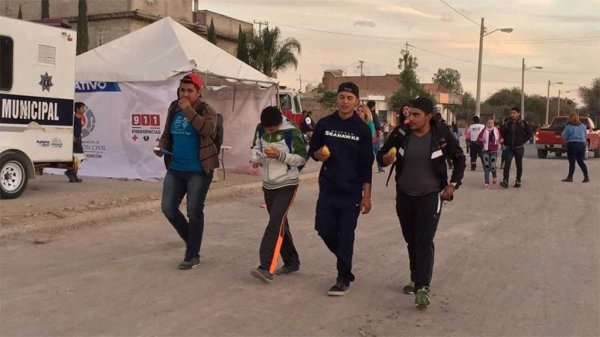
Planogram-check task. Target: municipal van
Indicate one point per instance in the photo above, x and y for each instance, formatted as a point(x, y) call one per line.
point(37, 88)
point(288, 101)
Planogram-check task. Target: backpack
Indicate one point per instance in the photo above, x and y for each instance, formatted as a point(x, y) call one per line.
point(218, 137)
point(288, 136)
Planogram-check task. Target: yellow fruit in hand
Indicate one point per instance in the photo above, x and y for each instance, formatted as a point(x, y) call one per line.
point(325, 151)
point(392, 152)
point(269, 149)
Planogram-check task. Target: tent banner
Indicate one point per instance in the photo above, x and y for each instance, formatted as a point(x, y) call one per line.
point(124, 122)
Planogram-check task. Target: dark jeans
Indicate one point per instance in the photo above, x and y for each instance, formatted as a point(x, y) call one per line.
point(419, 217)
point(489, 165)
point(175, 186)
point(475, 153)
point(277, 234)
point(517, 153)
point(576, 152)
point(335, 222)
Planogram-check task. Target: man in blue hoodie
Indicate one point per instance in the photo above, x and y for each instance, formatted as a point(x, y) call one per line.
point(343, 143)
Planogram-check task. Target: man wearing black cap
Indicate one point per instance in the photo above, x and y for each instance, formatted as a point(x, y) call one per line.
point(343, 143)
point(420, 150)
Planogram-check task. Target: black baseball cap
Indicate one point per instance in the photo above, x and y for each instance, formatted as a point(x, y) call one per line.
point(348, 87)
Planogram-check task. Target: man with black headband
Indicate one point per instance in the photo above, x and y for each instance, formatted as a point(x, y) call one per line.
point(343, 143)
point(420, 150)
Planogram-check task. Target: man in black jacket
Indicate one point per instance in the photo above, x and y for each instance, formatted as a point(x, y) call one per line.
point(420, 150)
point(343, 143)
point(515, 132)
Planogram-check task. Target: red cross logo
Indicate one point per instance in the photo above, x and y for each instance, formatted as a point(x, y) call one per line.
point(135, 138)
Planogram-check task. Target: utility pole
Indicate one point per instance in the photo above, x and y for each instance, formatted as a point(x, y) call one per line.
point(361, 67)
point(260, 24)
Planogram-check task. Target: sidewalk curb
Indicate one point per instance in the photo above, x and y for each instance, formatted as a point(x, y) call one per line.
point(104, 215)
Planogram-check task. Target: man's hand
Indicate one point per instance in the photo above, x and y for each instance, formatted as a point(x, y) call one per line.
point(388, 159)
point(501, 140)
point(272, 152)
point(365, 205)
point(256, 165)
point(320, 157)
point(158, 152)
point(184, 103)
point(448, 192)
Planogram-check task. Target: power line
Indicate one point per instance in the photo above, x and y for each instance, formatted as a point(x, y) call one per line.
point(461, 14)
point(389, 38)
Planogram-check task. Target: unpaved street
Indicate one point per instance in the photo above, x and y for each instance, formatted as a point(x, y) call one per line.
point(516, 262)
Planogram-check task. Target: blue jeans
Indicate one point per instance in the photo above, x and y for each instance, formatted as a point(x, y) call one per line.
point(517, 153)
point(489, 165)
point(175, 186)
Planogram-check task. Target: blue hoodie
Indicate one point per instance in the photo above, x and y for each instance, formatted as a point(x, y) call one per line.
point(575, 133)
point(350, 164)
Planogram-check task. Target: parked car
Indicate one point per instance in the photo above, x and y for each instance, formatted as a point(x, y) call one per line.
point(550, 139)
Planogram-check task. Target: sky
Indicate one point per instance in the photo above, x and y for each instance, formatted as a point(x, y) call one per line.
point(562, 36)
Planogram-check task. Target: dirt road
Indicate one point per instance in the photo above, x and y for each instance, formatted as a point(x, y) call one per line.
point(516, 262)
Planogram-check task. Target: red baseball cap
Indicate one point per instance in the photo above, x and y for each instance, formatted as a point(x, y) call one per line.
point(194, 79)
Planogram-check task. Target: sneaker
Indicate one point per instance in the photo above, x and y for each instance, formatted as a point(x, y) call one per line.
point(422, 298)
point(517, 184)
point(287, 269)
point(567, 180)
point(486, 186)
point(338, 289)
point(586, 180)
point(494, 181)
point(262, 275)
point(504, 184)
point(473, 167)
point(189, 263)
point(409, 288)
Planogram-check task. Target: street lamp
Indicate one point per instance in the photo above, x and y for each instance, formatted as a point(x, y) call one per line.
point(482, 33)
point(523, 70)
point(548, 98)
point(558, 109)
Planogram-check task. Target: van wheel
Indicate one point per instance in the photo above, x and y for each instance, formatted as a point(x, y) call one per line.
point(13, 176)
point(558, 154)
point(597, 153)
point(542, 154)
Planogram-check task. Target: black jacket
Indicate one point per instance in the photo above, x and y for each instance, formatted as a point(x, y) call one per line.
point(516, 133)
point(441, 139)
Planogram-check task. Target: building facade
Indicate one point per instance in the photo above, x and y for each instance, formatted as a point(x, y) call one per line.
point(110, 19)
point(381, 88)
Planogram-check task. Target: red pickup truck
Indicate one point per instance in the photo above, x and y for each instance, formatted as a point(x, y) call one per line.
point(550, 139)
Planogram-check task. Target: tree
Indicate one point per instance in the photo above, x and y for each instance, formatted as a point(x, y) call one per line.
point(328, 100)
point(20, 15)
point(45, 9)
point(411, 88)
point(591, 100)
point(82, 28)
point(450, 79)
point(269, 55)
point(242, 46)
point(212, 33)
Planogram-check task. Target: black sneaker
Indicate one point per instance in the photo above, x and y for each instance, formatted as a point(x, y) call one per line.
point(288, 269)
point(567, 180)
point(473, 167)
point(339, 289)
point(189, 263)
point(262, 275)
point(586, 180)
point(409, 288)
point(517, 184)
point(504, 184)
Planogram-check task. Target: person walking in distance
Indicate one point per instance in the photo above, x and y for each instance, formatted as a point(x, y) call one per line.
point(575, 134)
point(342, 143)
point(489, 139)
point(191, 157)
point(279, 149)
point(419, 150)
point(475, 151)
point(378, 131)
point(80, 110)
point(515, 132)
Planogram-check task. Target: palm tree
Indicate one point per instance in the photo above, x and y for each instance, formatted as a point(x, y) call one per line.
point(269, 55)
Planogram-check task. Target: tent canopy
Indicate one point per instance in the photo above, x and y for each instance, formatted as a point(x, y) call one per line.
point(158, 52)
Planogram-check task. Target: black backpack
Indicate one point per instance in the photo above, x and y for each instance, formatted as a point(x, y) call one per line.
point(218, 138)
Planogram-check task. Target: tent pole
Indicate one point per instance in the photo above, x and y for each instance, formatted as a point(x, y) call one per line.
point(233, 105)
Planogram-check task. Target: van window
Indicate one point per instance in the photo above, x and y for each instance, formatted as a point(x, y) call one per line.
point(6, 63)
point(297, 105)
point(285, 102)
point(46, 54)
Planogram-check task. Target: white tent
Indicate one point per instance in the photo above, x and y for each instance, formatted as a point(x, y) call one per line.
point(128, 84)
